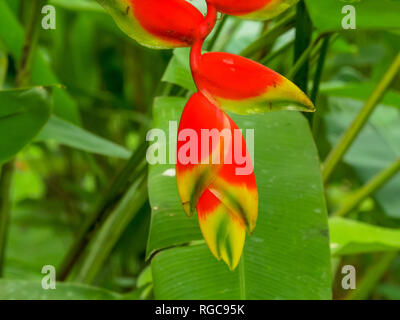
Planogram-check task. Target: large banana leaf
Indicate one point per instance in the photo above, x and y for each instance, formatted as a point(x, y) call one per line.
point(287, 257)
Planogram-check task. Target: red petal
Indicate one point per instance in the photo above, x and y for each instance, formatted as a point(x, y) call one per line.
point(253, 9)
point(171, 20)
point(238, 7)
point(244, 86)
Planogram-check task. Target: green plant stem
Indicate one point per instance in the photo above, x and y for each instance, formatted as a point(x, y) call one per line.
point(7, 172)
point(372, 277)
point(301, 44)
point(317, 81)
point(3, 67)
point(270, 35)
point(31, 37)
point(313, 48)
point(22, 79)
point(228, 35)
point(352, 132)
point(320, 67)
point(277, 53)
point(129, 173)
point(105, 239)
point(217, 33)
point(371, 187)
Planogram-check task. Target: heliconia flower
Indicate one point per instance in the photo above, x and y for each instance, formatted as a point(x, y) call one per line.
point(243, 86)
point(197, 167)
point(223, 192)
point(253, 9)
point(159, 24)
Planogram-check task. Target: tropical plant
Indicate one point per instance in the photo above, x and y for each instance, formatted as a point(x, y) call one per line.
point(76, 191)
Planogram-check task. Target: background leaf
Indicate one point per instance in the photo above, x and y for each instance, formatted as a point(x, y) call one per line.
point(70, 135)
point(354, 237)
point(22, 114)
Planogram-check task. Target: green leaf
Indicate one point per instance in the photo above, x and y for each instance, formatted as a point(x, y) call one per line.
point(23, 113)
point(178, 70)
point(70, 135)
point(32, 290)
point(369, 14)
point(354, 237)
point(287, 257)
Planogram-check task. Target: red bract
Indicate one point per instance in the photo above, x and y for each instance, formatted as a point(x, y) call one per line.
point(157, 23)
point(253, 9)
point(215, 176)
point(239, 7)
point(196, 168)
point(173, 21)
point(235, 185)
point(241, 85)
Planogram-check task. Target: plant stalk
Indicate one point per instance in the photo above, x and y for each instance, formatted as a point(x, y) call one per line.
point(372, 277)
point(6, 177)
point(352, 132)
point(270, 35)
point(316, 84)
point(217, 33)
point(268, 58)
point(22, 79)
point(105, 239)
point(301, 45)
point(127, 176)
point(371, 187)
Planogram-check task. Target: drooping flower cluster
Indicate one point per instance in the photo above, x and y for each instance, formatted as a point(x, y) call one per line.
point(226, 202)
